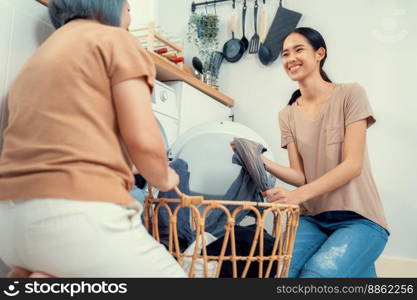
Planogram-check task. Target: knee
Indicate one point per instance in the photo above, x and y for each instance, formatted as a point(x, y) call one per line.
point(320, 266)
point(306, 273)
point(18, 272)
point(40, 275)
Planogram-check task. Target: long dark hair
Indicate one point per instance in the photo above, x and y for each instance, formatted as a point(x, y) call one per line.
point(316, 41)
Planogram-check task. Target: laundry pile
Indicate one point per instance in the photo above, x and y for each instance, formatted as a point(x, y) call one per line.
point(252, 180)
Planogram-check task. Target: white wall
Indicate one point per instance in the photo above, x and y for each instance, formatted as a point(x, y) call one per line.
point(142, 12)
point(24, 25)
point(372, 42)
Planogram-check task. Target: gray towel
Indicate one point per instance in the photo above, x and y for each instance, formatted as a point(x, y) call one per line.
point(248, 155)
point(251, 181)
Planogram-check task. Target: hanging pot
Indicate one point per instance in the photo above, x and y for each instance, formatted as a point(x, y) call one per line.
point(233, 49)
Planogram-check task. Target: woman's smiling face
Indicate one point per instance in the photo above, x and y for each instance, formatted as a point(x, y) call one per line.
point(299, 58)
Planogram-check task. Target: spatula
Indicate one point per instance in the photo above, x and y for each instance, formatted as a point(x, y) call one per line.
point(254, 42)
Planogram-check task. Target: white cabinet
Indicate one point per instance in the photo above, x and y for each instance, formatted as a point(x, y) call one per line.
point(196, 108)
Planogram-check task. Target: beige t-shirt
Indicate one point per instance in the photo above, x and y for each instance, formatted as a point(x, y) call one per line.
point(320, 144)
point(62, 139)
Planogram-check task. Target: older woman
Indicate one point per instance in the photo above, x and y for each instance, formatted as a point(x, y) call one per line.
point(79, 112)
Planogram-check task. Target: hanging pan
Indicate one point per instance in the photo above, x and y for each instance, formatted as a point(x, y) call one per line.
point(233, 49)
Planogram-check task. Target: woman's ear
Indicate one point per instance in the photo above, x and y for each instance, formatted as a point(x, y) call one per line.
point(320, 53)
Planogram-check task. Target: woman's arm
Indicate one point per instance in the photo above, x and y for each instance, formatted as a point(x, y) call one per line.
point(140, 133)
point(348, 169)
point(294, 174)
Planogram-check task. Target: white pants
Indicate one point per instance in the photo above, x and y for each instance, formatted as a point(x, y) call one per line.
point(68, 238)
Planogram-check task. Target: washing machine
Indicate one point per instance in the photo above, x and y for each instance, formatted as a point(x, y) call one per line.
point(205, 147)
point(164, 105)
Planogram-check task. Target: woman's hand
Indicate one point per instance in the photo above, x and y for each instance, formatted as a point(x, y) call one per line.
point(172, 181)
point(233, 145)
point(283, 196)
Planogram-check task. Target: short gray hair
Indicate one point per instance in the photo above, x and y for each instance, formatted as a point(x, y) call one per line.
point(107, 12)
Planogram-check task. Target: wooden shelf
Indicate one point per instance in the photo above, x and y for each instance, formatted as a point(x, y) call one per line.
point(167, 71)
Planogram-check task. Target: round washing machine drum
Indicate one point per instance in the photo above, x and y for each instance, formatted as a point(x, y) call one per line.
point(206, 149)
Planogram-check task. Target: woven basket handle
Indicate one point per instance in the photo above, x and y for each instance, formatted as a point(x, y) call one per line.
point(185, 199)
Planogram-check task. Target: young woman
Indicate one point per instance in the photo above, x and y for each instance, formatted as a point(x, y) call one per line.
point(342, 228)
point(79, 111)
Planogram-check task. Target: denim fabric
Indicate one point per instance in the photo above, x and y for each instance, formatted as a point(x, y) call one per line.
point(337, 244)
point(252, 180)
point(185, 235)
point(138, 194)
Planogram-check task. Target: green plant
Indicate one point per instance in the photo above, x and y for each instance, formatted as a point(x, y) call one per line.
point(203, 32)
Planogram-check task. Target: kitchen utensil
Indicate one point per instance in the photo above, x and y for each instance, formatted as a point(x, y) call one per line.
point(177, 60)
point(263, 52)
point(170, 55)
point(284, 22)
point(198, 75)
point(244, 40)
point(262, 23)
point(254, 42)
point(233, 49)
point(161, 50)
point(198, 65)
point(212, 73)
point(216, 60)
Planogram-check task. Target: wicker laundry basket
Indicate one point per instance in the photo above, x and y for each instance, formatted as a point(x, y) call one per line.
point(285, 223)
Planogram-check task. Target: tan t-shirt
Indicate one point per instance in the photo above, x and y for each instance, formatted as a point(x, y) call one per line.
point(320, 144)
point(62, 138)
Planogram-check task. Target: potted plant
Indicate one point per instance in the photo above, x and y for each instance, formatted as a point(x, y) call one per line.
point(203, 32)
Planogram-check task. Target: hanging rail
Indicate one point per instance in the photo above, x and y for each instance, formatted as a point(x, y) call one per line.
point(213, 2)
point(195, 5)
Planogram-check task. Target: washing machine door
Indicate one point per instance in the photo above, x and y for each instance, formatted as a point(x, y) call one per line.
point(206, 149)
point(169, 129)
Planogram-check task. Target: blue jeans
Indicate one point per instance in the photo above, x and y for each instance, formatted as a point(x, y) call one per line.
point(337, 244)
point(138, 194)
